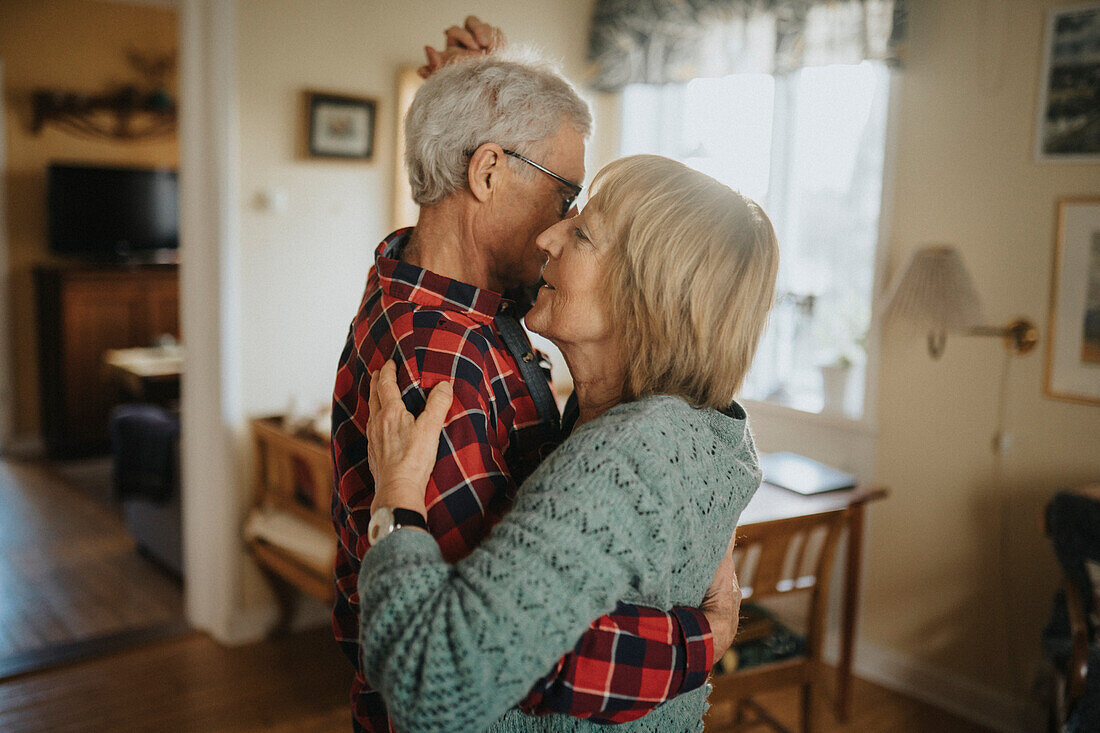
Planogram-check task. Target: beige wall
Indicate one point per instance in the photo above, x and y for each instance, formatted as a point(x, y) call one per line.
point(70, 45)
point(959, 575)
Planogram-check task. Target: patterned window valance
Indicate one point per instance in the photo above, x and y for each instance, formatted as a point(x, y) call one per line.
point(662, 41)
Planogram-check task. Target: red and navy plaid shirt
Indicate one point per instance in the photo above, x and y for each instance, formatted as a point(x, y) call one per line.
point(439, 329)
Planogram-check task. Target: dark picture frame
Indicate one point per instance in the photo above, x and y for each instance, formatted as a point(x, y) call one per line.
point(1068, 124)
point(339, 126)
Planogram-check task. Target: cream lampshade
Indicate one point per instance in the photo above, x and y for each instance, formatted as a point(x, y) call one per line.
point(935, 294)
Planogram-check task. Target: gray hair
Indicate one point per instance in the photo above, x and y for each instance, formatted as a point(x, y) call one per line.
point(516, 104)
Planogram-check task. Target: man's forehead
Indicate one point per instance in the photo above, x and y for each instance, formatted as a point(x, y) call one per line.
point(569, 152)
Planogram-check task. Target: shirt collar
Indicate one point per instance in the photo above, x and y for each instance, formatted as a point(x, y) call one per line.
point(408, 282)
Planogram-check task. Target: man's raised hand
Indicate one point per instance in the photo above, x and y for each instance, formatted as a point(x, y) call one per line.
point(474, 38)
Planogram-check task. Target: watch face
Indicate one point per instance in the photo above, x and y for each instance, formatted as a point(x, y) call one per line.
point(381, 524)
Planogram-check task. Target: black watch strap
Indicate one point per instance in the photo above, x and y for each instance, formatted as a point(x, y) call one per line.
point(409, 518)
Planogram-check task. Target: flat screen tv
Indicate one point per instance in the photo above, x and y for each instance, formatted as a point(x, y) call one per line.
point(103, 213)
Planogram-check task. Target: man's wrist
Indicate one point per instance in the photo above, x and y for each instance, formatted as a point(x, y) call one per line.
point(698, 641)
point(721, 633)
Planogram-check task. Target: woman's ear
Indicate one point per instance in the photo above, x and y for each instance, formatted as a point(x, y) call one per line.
point(483, 174)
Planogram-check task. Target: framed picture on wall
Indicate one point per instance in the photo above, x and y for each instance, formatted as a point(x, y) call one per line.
point(1068, 127)
point(338, 126)
point(1073, 344)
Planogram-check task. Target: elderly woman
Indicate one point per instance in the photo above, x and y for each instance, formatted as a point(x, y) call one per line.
point(656, 294)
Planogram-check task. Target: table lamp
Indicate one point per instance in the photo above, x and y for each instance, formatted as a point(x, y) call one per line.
point(934, 294)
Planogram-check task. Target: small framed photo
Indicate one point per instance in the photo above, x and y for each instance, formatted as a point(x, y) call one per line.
point(1073, 343)
point(1068, 127)
point(339, 126)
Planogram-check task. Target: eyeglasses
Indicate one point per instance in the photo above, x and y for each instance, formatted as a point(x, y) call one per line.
point(567, 203)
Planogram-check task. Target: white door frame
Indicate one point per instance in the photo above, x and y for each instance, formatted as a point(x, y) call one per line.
point(213, 428)
point(7, 372)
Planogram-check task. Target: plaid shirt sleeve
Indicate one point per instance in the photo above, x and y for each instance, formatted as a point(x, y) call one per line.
point(470, 488)
point(626, 664)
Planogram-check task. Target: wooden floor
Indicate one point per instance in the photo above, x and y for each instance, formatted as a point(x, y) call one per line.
point(69, 573)
point(874, 710)
point(297, 683)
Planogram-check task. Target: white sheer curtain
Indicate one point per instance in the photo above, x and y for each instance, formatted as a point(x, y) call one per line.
point(674, 41)
point(808, 146)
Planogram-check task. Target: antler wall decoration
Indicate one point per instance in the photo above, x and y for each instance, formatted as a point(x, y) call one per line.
point(129, 112)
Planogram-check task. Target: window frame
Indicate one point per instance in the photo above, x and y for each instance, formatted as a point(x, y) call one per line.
point(812, 433)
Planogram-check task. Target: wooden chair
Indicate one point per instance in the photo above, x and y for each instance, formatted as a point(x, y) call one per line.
point(294, 475)
point(774, 559)
point(1070, 670)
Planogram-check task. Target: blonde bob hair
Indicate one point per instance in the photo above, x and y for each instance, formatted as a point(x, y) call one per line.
point(691, 277)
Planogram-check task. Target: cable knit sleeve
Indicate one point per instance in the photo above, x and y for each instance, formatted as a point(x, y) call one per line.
point(452, 647)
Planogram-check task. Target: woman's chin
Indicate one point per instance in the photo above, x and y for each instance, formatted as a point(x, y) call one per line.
point(536, 322)
point(534, 325)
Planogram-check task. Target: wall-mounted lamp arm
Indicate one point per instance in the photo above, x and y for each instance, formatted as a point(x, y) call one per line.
point(1020, 336)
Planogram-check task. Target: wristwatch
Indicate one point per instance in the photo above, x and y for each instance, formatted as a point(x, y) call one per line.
point(387, 519)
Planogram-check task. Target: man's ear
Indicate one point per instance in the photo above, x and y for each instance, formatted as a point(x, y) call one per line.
point(484, 173)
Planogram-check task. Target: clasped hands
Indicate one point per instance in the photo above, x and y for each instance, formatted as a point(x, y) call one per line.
point(473, 39)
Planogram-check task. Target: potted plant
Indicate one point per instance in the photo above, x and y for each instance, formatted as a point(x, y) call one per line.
point(834, 382)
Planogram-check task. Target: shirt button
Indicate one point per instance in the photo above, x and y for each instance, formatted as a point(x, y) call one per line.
point(709, 688)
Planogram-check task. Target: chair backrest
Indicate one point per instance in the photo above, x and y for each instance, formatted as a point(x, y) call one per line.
point(292, 474)
point(791, 556)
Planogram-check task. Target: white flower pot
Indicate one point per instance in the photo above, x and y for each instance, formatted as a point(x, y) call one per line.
point(834, 382)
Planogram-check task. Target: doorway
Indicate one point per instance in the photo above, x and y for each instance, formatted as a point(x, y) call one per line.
point(77, 580)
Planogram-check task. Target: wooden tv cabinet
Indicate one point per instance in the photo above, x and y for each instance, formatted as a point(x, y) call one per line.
point(84, 310)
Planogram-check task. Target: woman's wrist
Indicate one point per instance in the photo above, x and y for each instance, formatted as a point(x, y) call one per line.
point(396, 496)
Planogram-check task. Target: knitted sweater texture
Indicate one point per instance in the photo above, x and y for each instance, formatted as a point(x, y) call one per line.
point(637, 505)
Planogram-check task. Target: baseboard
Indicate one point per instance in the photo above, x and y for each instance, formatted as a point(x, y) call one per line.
point(249, 625)
point(24, 447)
point(253, 624)
point(311, 614)
point(947, 691)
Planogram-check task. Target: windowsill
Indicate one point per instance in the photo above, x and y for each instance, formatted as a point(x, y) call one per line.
point(771, 411)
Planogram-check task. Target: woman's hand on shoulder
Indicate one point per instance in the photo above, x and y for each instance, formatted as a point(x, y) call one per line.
point(401, 449)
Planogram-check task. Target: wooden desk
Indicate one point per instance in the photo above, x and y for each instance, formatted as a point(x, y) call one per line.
point(771, 503)
point(151, 374)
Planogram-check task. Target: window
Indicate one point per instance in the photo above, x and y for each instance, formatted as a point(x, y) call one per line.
point(808, 146)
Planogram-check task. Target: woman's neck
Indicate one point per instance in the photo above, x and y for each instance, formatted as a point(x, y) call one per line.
point(598, 378)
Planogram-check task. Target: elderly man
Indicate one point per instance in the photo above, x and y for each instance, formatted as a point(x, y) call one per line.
point(495, 155)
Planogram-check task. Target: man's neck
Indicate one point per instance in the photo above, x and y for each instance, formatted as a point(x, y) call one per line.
point(443, 241)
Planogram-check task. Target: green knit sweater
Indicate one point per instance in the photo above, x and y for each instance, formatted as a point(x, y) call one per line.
point(638, 505)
